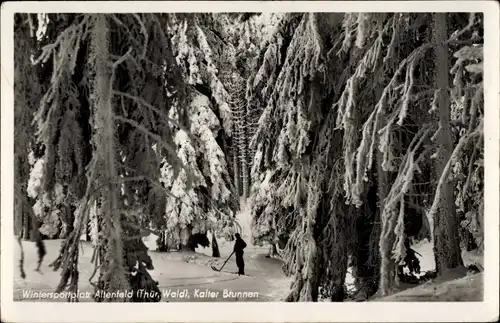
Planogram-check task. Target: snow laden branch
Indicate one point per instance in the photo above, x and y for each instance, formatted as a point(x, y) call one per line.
point(394, 99)
point(143, 129)
point(142, 102)
point(392, 235)
point(193, 46)
point(453, 159)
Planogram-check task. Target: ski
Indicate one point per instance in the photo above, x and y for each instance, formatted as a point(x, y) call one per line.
point(234, 273)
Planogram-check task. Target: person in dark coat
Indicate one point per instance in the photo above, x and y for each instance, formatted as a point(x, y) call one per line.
point(239, 245)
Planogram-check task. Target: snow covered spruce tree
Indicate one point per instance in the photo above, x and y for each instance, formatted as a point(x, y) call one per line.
point(28, 87)
point(201, 198)
point(301, 163)
point(385, 46)
point(110, 87)
point(223, 46)
point(267, 211)
point(243, 39)
point(404, 126)
point(447, 249)
point(467, 113)
point(407, 100)
point(370, 190)
point(38, 204)
point(208, 204)
point(27, 91)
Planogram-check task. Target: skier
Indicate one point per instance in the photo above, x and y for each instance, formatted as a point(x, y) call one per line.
point(238, 250)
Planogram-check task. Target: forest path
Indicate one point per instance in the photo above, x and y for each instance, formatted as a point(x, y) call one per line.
point(186, 274)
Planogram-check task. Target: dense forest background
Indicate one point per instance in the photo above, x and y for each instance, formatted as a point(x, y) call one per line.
point(351, 136)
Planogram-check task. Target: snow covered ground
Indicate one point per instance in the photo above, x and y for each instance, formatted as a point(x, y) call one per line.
point(456, 285)
point(175, 272)
point(191, 271)
point(426, 257)
point(179, 271)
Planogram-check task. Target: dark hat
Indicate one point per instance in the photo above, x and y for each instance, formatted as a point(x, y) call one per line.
point(237, 235)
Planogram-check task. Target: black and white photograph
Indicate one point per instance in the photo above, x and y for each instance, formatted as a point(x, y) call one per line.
point(231, 156)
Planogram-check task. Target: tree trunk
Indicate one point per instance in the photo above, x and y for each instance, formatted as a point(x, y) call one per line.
point(367, 259)
point(236, 166)
point(68, 221)
point(240, 135)
point(446, 223)
point(387, 265)
point(252, 123)
point(242, 154)
point(245, 172)
point(22, 216)
point(87, 231)
point(273, 250)
point(340, 253)
point(308, 263)
point(113, 276)
point(161, 242)
point(18, 218)
point(27, 223)
point(215, 247)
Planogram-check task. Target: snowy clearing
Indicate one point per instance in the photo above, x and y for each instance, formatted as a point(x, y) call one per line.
point(451, 287)
point(180, 271)
point(174, 271)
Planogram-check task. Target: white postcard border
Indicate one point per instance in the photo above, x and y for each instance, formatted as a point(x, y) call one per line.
point(250, 312)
